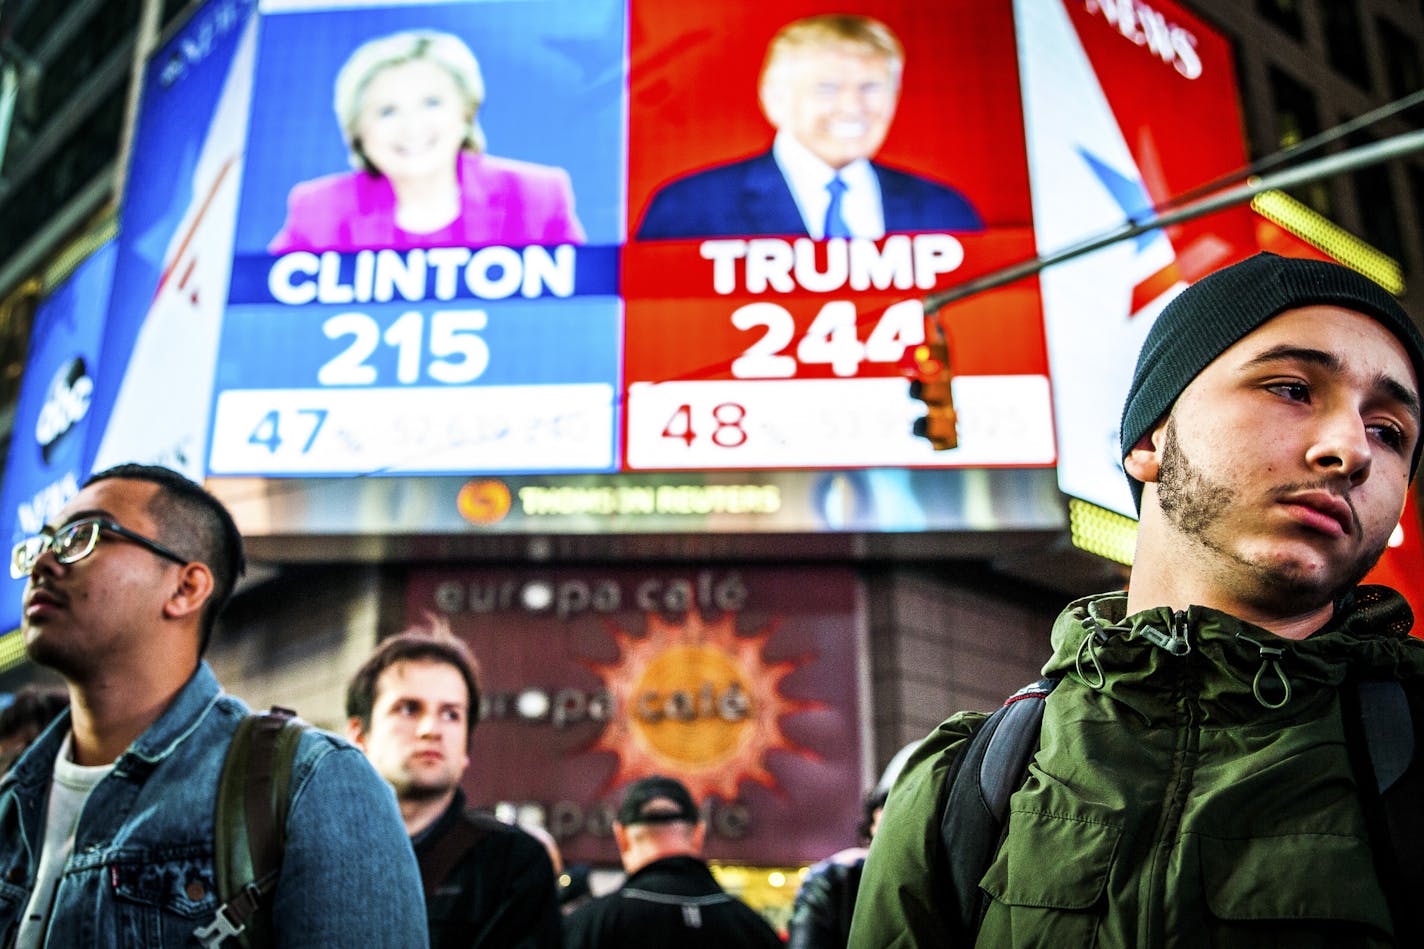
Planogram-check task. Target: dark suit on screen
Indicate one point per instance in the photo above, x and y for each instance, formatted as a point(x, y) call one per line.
point(751, 198)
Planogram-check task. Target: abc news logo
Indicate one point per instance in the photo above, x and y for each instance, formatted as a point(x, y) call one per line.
point(66, 403)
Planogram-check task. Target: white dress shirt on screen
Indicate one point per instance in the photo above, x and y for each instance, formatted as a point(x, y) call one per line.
point(807, 176)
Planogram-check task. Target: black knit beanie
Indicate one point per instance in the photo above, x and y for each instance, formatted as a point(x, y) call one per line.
point(1208, 317)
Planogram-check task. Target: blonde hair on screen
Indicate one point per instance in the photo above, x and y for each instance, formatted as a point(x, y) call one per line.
point(397, 49)
point(833, 29)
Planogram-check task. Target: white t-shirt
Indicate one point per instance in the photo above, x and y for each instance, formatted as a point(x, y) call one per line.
point(67, 794)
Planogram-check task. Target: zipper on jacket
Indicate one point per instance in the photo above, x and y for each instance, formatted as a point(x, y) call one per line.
point(1175, 641)
point(1178, 787)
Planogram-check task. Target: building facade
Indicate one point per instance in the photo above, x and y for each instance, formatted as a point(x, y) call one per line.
point(932, 622)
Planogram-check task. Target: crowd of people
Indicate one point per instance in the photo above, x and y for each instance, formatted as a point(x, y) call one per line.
point(1226, 754)
point(112, 815)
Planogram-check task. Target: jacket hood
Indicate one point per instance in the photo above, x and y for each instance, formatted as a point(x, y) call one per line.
point(1234, 670)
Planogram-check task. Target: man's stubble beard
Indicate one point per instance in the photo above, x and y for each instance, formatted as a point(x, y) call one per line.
point(424, 790)
point(46, 648)
point(1200, 508)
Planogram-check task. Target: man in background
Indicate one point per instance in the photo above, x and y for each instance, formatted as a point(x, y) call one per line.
point(825, 902)
point(412, 707)
point(670, 898)
point(107, 821)
point(21, 722)
point(829, 86)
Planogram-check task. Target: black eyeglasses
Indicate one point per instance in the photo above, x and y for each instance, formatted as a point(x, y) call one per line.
point(74, 542)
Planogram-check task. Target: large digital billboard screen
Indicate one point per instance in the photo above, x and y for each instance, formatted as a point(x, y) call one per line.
point(755, 339)
point(361, 340)
point(518, 329)
point(1126, 107)
point(585, 245)
point(46, 462)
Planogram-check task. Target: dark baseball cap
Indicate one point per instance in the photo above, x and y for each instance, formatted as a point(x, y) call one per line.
point(657, 800)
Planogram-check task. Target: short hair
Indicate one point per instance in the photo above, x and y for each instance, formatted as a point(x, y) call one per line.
point(443, 49)
point(435, 644)
point(194, 524)
point(829, 29)
point(874, 800)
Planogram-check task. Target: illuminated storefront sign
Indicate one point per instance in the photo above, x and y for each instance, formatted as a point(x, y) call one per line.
point(742, 683)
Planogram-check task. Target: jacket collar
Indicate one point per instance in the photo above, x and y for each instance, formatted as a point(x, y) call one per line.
point(157, 742)
point(484, 205)
point(442, 824)
point(1365, 613)
point(185, 713)
point(683, 865)
point(1151, 659)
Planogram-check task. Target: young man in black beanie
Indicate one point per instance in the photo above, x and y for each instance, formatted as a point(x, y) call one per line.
point(1220, 760)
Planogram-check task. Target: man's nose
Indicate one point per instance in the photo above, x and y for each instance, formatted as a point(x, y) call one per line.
point(1343, 447)
point(848, 98)
point(46, 563)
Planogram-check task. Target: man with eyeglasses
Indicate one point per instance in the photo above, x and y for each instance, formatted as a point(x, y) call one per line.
point(107, 821)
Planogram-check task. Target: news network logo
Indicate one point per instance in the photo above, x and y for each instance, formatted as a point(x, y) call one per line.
point(66, 404)
point(199, 38)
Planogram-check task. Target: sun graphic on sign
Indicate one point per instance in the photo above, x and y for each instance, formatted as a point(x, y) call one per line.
point(698, 701)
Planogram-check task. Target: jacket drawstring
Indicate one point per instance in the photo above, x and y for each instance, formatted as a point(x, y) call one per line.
point(1270, 658)
point(1088, 645)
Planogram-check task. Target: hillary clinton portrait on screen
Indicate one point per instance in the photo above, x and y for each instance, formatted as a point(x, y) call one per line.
point(408, 108)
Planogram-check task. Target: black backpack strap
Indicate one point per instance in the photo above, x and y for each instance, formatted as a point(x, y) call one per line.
point(1389, 730)
point(250, 825)
point(990, 768)
point(447, 911)
point(1382, 719)
point(447, 850)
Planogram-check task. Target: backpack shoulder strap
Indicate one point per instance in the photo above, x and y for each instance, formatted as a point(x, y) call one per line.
point(1389, 730)
point(1381, 721)
point(450, 847)
point(991, 766)
point(250, 823)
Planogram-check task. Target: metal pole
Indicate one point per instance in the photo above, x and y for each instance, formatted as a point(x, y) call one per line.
point(150, 20)
point(1356, 158)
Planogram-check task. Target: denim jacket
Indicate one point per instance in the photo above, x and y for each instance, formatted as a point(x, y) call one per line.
point(141, 871)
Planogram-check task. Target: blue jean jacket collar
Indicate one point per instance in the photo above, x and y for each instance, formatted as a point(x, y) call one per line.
point(157, 742)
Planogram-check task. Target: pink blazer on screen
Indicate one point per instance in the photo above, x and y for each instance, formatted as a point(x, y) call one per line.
point(502, 201)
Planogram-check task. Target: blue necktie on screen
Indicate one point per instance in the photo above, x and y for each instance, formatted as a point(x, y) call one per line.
point(835, 224)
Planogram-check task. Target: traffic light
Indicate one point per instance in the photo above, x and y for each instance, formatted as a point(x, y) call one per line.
point(930, 383)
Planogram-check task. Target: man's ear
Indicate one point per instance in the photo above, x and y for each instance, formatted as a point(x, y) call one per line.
point(355, 733)
point(195, 586)
point(1145, 457)
point(620, 837)
point(699, 835)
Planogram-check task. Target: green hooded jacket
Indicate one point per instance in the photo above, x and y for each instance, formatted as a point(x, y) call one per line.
point(1191, 788)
